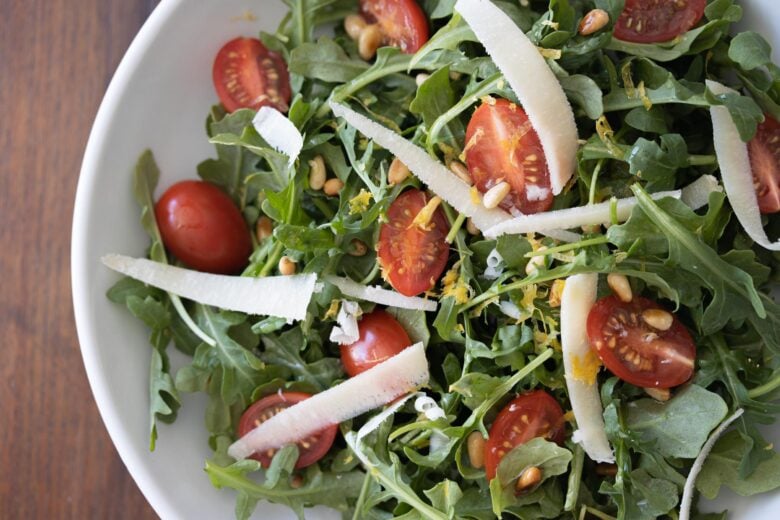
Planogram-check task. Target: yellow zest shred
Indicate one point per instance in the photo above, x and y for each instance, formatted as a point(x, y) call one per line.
point(359, 203)
point(585, 368)
point(607, 136)
point(553, 54)
point(453, 285)
point(333, 310)
point(642, 92)
point(628, 81)
point(423, 218)
point(556, 292)
point(476, 198)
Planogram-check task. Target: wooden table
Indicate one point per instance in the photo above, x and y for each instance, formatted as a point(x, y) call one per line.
point(56, 59)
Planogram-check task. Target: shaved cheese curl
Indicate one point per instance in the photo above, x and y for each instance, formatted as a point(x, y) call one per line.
point(377, 386)
point(282, 296)
point(579, 295)
point(735, 170)
point(279, 132)
point(379, 295)
point(535, 85)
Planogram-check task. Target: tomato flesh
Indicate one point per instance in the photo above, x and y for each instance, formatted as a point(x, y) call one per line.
point(501, 146)
point(764, 151)
point(381, 337)
point(412, 258)
point(654, 21)
point(310, 450)
point(636, 352)
point(402, 22)
point(248, 75)
point(203, 228)
point(531, 415)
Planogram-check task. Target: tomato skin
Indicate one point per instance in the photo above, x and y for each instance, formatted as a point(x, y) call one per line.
point(265, 408)
point(617, 332)
point(381, 337)
point(654, 21)
point(500, 146)
point(543, 418)
point(412, 259)
point(203, 228)
point(403, 22)
point(764, 152)
point(248, 75)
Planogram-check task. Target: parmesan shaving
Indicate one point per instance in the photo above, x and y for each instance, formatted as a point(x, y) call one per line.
point(379, 295)
point(279, 132)
point(346, 332)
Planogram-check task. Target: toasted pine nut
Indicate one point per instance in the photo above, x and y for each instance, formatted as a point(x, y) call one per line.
point(296, 481)
point(529, 479)
point(659, 394)
point(332, 187)
point(471, 227)
point(475, 444)
point(455, 75)
point(420, 78)
point(606, 470)
point(620, 286)
point(354, 25)
point(287, 266)
point(398, 172)
point(495, 195)
point(264, 228)
point(535, 262)
point(659, 319)
point(593, 21)
point(459, 169)
point(317, 173)
point(358, 247)
point(369, 41)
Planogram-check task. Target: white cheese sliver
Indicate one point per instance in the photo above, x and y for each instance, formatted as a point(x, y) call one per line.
point(579, 295)
point(735, 170)
point(535, 85)
point(377, 386)
point(381, 296)
point(346, 332)
point(279, 132)
point(282, 296)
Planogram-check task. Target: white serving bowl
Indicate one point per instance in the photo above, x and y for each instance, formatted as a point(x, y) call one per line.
point(158, 99)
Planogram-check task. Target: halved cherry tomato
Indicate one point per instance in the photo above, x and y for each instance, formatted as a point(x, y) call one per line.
point(527, 416)
point(247, 75)
point(204, 229)
point(636, 352)
point(501, 145)
point(412, 258)
point(653, 21)
point(381, 337)
point(310, 450)
point(402, 22)
point(764, 150)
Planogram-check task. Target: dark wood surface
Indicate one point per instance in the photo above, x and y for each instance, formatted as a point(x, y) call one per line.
point(56, 59)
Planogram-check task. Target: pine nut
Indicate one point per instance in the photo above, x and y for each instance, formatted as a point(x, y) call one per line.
point(495, 195)
point(369, 41)
point(296, 481)
point(420, 78)
point(398, 172)
point(332, 187)
point(659, 394)
point(593, 21)
point(358, 247)
point(264, 228)
point(606, 470)
point(535, 262)
point(620, 286)
point(529, 479)
point(472, 228)
point(354, 25)
point(287, 266)
point(459, 169)
point(659, 319)
point(317, 173)
point(475, 444)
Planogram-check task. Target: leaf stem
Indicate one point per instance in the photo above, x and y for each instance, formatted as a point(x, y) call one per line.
point(767, 387)
point(568, 247)
point(459, 220)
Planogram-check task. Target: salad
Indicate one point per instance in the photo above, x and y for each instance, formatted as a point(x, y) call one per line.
point(477, 259)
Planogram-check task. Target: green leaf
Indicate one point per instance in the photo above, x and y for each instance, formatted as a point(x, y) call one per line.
point(304, 239)
point(745, 113)
point(750, 50)
point(149, 310)
point(445, 496)
point(434, 97)
point(285, 350)
point(326, 61)
point(164, 397)
point(233, 163)
point(414, 323)
point(658, 164)
point(652, 120)
point(585, 93)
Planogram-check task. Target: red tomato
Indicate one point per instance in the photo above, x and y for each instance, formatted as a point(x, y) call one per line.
point(412, 259)
point(653, 21)
point(636, 352)
point(381, 337)
point(764, 151)
point(535, 414)
point(402, 22)
point(204, 229)
point(247, 75)
point(501, 145)
point(310, 450)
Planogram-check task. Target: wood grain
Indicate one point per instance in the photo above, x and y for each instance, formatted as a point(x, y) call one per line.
point(56, 59)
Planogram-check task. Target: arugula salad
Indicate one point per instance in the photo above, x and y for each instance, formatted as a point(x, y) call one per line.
point(477, 259)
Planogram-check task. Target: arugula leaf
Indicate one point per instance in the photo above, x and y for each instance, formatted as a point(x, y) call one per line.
point(434, 97)
point(750, 50)
point(325, 60)
point(284, 350)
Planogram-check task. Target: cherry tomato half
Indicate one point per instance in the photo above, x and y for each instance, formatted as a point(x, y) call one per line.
point(311, 449)
point(247, 75)
point(381, 337)
point(535, 414)
point(764, 150)
point(501, 146)
point(402, 22)
point(204, 229)
point(412, 258)
point(653, 21)
point(636, 352)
